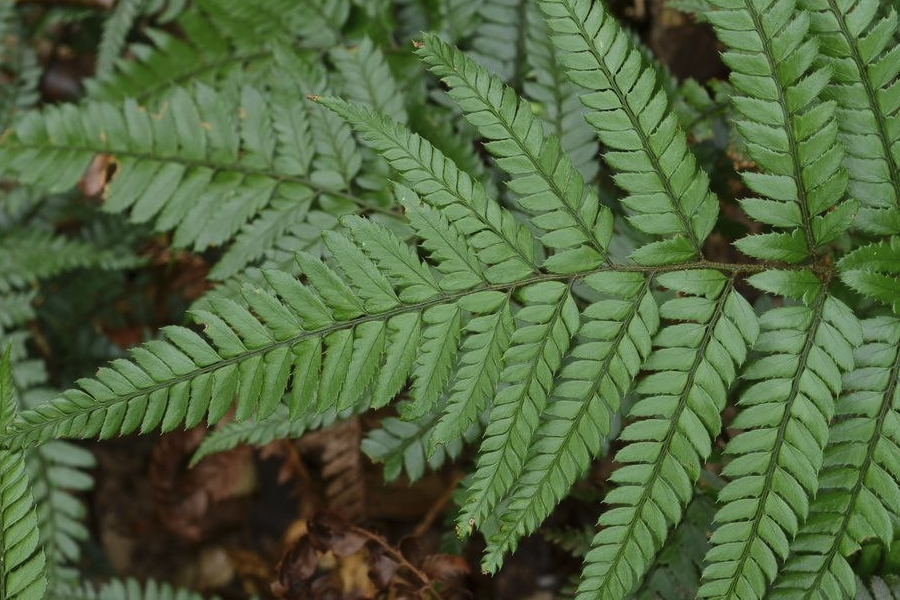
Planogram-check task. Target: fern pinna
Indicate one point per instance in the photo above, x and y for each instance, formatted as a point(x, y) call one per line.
point(513, 319)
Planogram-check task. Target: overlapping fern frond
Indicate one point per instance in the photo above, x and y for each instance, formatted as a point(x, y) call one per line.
point(502, 316)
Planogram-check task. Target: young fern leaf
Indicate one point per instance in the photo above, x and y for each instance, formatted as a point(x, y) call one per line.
point(668, 192)
point(859, 490)
point(774, 472)
point(577, 227)
point(857, 41)
point(788, 133)
point(22, 562)
point(615, 340)
point(549, 318)
point(693, 365)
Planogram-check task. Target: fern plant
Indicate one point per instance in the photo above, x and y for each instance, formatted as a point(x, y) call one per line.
point(524, 318)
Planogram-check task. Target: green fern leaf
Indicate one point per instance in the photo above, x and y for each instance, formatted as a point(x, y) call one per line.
point(563, 112)
point(30, 254)
point(667, 191)
point(865, 64)
point(219, 38)
point(280, 425)
point(115, 30)
point(577, 227)
point(873, 271)
point(616, 336)
point(199, 167)
point(549, 319)
point(859, 492)
point(774, 472)
point(404, 446)
point(693, 365)
point(787, 131)
point(499, 37)
point(127, 589)
point(887, 588)
point(502, 243)
point(367, 79)
point(23, 567)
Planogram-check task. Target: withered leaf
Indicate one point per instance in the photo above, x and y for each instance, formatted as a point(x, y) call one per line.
point(329, 532)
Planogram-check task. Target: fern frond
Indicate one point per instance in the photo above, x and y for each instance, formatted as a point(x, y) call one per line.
point(668, 192)
point(859, 491)
point(19, 62)
point(15, 309)
point(219, 39)
point(776, 461)
point(788, 133)
point(500, 242)
point(367, 79)
point(615, 341)
point(549, 318)
point(865, 62)
point(23, 565)
point(693, 365)
point(498, 41)
point(31, 254)
point(563, 112)
point(406, 446)
point(58, 473)
point(577, 226)
point(115, 29)
point(127, 589)
point(874, 271)
point(278, 426)
point(199, 167)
